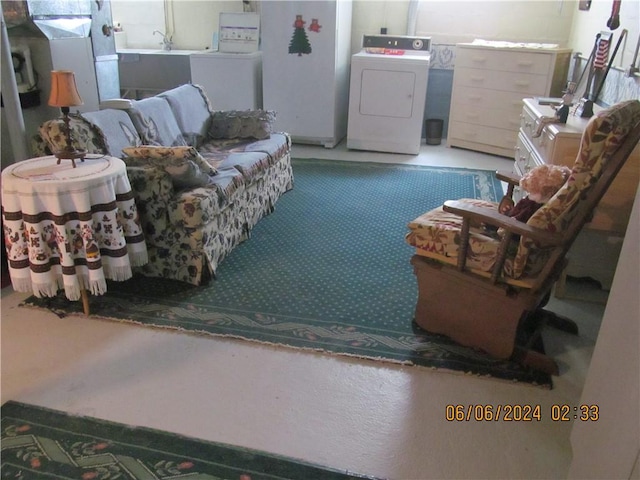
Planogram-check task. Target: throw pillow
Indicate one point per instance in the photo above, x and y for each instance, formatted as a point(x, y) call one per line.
point(185, 165)
point(256, 124)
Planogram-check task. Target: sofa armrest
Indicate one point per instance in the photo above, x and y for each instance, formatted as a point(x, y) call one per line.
point(153, 190)
point(83, 135)
point(39, 147)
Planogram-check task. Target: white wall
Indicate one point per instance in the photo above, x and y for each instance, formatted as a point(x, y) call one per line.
point(456, 21)
point(586, 24)
point(191, 22)
point(609, 448)
point(446, 21)
point(369, 16)
point(517, 21)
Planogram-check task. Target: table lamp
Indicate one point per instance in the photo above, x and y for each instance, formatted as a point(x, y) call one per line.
point(64, 94)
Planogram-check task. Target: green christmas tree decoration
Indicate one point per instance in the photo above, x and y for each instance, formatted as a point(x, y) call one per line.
point(299, 42)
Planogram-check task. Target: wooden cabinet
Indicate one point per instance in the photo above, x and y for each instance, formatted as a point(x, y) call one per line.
point(489, 83)
point(595, 252)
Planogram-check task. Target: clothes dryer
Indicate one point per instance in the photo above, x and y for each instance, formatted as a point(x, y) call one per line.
point(388, 89)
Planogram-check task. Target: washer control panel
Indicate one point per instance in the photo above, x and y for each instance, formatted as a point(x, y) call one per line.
point(398, 42)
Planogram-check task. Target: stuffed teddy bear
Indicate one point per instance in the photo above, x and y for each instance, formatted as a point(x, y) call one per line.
point(541, 183)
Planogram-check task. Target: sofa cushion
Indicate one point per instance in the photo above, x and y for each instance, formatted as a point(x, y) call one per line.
point(185, 165)
point(217, 152)
point(230, 124)
point(252, 165)
point(115, 128)
point(154, 120)
point(192, 111)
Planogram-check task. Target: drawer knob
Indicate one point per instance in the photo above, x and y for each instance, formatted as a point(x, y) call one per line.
point(479, 59)
point(522, 83)
point(477, 79)
point(525, 63)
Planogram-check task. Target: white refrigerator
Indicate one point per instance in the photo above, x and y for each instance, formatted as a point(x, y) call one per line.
point(306, 53)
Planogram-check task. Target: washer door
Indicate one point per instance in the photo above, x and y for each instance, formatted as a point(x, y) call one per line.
point(387, 93)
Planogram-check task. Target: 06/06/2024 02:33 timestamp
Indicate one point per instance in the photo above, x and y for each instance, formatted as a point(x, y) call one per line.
point(521, 413)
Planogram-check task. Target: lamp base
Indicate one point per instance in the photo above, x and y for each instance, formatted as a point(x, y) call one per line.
point(72, 155)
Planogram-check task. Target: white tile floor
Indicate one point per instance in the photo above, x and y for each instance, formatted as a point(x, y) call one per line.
point(369, 417)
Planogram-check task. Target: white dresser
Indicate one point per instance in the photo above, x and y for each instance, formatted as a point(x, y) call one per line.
point(596, 250)
point(489, 83)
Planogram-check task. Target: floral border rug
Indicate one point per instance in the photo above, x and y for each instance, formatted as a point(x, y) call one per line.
point(39, 442)
point(328, 270)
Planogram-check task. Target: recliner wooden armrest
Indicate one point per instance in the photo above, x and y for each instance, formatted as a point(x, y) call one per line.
point(512, 180)
point(508, 176)
point(492, 217)
point(511, 226)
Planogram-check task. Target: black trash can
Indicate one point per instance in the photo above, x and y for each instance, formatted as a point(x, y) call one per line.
point(433, 127)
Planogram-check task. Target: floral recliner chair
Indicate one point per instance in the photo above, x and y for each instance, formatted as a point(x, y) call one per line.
point(436, 234)
point(486, 288)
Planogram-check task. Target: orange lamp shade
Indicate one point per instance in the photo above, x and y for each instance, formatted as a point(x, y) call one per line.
point(64, 92)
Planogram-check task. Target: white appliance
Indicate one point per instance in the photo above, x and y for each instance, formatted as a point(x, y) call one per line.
point(306, 48)
point(239, 32)
point(232, 81)
point(387, 95)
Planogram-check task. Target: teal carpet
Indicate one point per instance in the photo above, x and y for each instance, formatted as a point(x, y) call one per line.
point(42, 443)
point(328, 270)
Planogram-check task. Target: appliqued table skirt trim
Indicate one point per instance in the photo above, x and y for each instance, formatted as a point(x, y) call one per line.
point(44, 280)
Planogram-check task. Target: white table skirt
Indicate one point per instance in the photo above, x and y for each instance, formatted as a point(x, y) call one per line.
point(70, 228)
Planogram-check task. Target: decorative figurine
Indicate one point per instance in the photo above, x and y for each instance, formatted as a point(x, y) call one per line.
point(562, 111)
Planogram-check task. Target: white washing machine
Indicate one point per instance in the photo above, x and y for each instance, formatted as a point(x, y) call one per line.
point(388, 89)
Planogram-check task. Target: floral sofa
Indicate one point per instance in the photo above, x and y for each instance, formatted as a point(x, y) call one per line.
point(202, 178)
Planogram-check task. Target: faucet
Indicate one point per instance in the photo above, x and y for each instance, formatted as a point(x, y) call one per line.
point(166, 41)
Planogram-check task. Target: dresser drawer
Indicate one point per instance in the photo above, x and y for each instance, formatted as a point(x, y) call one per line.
point(528, 122)
point(522, 62)
point(524, 157)
point(506, 118)
point(483, 98)
point(526, 84)
point(481, 134)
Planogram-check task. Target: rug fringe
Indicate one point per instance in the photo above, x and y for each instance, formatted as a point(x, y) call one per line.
point(204, 333)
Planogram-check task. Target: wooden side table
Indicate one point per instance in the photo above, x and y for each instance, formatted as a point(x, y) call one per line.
point(70, 228)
